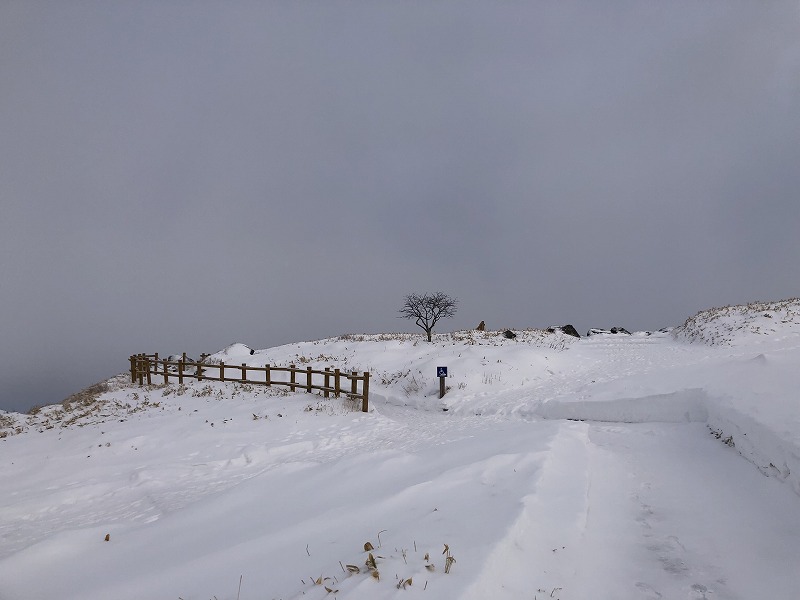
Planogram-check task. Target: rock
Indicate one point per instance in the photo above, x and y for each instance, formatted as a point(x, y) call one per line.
point(613, 330)
point(568, 329)
point(481, 326)
point(509, 334)
point(595, 331)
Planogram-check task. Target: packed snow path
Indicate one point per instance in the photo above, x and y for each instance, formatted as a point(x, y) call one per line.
point(644, 518)
point(204, 487)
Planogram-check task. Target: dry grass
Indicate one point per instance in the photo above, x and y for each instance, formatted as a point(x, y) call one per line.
point(9, 426)
point(556, 340)
point(86, 397)
point(391, 562)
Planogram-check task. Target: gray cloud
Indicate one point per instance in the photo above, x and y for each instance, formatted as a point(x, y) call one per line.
point(176, 177)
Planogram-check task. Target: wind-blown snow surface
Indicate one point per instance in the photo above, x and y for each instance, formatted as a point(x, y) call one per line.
point(642, 466)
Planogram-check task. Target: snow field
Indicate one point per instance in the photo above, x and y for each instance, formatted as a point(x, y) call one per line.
point(608, 467)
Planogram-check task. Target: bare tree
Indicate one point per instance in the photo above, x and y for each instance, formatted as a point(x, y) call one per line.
point(427, 309)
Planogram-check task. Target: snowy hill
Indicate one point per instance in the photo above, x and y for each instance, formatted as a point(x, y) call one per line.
point(616, 466)
point(743, 324)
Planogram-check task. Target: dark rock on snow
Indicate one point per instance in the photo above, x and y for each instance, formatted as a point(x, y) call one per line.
point(568, 329)
point(594, 331)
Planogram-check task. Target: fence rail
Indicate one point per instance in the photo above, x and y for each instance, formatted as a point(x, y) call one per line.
point(146, 367)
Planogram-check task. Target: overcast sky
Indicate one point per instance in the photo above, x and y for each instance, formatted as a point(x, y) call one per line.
point(176, 176)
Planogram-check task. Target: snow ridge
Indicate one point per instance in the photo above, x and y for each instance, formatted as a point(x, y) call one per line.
point(745, 323)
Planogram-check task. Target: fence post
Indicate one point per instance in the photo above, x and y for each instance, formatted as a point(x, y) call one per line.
point(365, 400)
point(144, 366)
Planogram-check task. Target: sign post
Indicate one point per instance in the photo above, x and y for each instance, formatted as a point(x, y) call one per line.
point(441, 373)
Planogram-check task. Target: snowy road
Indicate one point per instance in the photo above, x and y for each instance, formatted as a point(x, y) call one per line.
point(527, 507)
point(647, 519)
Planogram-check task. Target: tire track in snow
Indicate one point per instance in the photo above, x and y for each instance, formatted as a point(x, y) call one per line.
point(629, 512)
point(536, 555)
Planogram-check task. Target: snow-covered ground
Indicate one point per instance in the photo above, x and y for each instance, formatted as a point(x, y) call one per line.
point(663, 465)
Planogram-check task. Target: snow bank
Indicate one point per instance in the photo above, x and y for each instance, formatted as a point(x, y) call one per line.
point(684, 406)
point(743, 324)
point(773, 454)
point(235, 353)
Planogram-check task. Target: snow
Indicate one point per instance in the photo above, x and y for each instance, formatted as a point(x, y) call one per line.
point(643, 466)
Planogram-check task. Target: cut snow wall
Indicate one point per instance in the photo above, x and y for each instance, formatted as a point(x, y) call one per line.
point(761, 445)
point(678, 407)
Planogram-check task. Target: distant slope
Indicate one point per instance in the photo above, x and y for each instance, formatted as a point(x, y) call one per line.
point(731, 325)
point(402, 367)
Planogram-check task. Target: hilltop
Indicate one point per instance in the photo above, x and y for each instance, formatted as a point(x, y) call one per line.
point(624, 465)
point(731, 325)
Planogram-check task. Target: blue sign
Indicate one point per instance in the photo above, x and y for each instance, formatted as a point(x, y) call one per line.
point(441, 371)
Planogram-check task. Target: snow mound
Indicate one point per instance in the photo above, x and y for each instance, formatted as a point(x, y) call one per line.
point(735, 325)
point(230, 353)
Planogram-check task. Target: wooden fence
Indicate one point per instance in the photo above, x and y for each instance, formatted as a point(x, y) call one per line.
point(147, 367)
